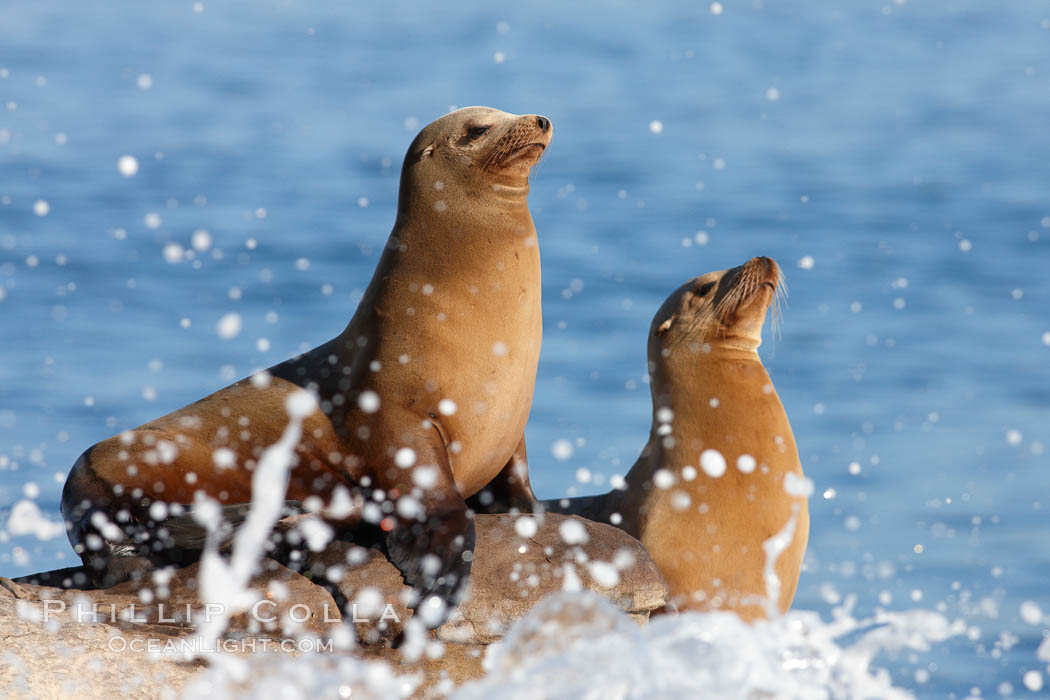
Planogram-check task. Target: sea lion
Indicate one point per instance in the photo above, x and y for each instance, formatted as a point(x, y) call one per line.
point(422, 398)
point(719, 486)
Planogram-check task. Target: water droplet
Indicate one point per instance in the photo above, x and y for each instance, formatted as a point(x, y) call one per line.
point(746, 463)
point(368, 401)
point(128, 165)
point(229, 326)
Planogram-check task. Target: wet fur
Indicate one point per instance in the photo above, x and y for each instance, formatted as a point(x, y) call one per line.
point(479, 234)
point(702, 345)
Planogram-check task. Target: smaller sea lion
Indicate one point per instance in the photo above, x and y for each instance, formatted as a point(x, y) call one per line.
point(717, 495)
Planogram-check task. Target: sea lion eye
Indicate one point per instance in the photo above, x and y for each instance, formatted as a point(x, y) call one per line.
point(475, 132)
point(703, 289)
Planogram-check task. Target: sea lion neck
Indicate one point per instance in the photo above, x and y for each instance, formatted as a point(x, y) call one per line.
point(687, 362)
point(454, 208)
point(436, 197)
point(447, 237)
point(737, 347)
point(686, 384)
point(512, 192)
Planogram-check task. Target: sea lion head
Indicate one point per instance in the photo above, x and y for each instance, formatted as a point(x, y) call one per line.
point(474, 149)
point(723, 309)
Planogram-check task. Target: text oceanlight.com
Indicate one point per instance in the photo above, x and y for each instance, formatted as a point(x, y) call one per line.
point(196, 645)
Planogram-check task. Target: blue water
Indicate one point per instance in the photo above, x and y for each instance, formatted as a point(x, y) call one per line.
point(903, 147)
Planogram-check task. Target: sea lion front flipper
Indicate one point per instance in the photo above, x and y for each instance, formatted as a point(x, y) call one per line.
point(509, 490)
point(434, 557)
point(428, 534)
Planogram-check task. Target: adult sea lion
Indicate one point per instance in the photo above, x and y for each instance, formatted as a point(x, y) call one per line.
point(422, 398)
point(717, 494)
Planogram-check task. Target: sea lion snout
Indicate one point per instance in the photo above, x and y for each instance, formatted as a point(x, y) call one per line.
point(740, 283)
point(519, 146)
point(756, 272)
point(533, 130)
point(729, 279)
point(763, 265)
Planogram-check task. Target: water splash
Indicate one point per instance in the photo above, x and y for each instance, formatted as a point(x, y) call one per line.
point(774, 547)
point(226, 584)
point(554, 651)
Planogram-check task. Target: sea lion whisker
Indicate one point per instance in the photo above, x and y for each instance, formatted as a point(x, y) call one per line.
point(780, 295)
point(731, 301)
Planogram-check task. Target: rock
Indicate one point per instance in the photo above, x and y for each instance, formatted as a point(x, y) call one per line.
point(511, 572)
point(61, 640)
point(368, 588)
point(67, 658)
point(288, 604)
point(516, 565)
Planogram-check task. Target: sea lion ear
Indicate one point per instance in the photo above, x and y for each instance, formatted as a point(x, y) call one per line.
point(666, 325)
point(419, 156)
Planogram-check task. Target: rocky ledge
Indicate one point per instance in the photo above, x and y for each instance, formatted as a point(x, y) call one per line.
point(132, 639)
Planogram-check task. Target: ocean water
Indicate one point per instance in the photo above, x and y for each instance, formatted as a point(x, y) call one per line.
point(892, 156)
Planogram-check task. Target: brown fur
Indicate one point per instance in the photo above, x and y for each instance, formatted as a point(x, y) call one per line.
point(452, 312)
point(706, 534)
